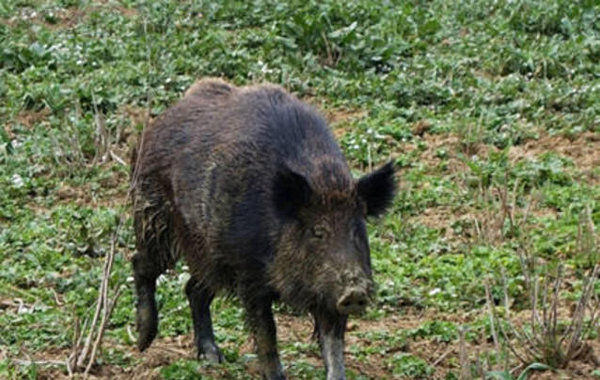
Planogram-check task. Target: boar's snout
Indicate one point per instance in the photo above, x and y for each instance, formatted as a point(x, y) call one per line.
point(355, 292)
point(353, 301)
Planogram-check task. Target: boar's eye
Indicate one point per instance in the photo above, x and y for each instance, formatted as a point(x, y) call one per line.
point(319, 232)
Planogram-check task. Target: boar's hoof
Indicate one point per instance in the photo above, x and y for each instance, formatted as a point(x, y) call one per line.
point(210, 352)
point(147, 326)
point(272, 370)
point(145, 337)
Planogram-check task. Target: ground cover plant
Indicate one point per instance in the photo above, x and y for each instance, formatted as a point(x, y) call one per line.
point(490, 109)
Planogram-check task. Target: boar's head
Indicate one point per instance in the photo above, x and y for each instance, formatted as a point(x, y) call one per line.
point(323, 258)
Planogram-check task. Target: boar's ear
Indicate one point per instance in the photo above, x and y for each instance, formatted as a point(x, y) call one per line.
point(377, 189)
point(291, 192)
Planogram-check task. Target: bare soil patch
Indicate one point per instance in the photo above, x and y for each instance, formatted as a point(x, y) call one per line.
point(29, 118)
point(582, 150)
point(341, 120)
point(444, 357)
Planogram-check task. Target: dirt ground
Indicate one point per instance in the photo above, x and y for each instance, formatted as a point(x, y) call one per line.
point(444, 357)
point(583, 150)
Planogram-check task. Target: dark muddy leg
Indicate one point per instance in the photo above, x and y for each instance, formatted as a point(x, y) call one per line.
point(262, 325)
point(330, 329)
point(145, 271)
point(200, 299)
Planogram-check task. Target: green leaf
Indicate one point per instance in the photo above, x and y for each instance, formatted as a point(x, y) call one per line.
point(533, 367)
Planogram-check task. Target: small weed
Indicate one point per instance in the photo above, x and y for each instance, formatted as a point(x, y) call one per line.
point(505, 375)
point(409, 367)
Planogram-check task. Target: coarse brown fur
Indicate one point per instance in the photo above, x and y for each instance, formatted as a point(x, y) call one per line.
point(250, 188)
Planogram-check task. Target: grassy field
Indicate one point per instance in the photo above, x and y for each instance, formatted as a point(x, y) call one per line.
point(490, 108)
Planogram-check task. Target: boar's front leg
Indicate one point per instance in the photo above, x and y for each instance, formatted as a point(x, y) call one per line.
point(200, 298)
point(262, 325)
point(330, 328)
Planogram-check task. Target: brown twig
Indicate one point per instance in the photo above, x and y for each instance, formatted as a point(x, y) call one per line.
point(114, 156)
point(576, 326)
point(85, 358)
point(107, 313)
point(29, 362)
point(442, 357)
point(88, 341)
point(465, 367)
point(101, 141)
point(505, 292)
point(108, 305)
point(330, 61)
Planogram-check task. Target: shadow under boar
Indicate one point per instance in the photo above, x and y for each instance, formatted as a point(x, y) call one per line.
point(250, 188)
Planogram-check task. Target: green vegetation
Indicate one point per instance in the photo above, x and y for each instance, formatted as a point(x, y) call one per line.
point(491, 110)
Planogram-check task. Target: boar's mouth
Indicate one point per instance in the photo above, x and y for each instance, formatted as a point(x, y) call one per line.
point(325, 292)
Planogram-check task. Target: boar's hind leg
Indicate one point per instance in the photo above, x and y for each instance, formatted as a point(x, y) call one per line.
point(200, 298)
point(330, 328)
point(262, 325)
point(146, 271)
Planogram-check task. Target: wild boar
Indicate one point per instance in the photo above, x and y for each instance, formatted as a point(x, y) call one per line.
point(249, 186)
